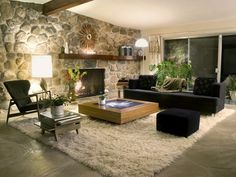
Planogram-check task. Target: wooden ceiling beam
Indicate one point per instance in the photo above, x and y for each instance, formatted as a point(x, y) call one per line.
point(55, 6)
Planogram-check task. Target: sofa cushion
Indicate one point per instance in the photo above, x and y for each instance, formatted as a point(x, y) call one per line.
point(203, 86)
point(133, 83)
point(147, 81)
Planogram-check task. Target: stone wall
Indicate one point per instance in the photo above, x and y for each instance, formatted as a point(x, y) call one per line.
point(25, 31)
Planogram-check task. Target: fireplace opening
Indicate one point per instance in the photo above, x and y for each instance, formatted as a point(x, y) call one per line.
point(92, 83)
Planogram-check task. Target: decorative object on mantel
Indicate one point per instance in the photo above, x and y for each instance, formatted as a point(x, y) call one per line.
point(62, 49)
point(88, 37)
point(74, 81)
point(125, 50)
point(142, 43)
point(66, 48)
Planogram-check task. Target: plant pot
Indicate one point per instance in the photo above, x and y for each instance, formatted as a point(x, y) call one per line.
point(57, 110)
point(233, 95)
point(102, 101)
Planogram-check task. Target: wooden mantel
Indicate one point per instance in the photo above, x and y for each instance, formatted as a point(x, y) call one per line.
point(59, 5)
point(98, 57)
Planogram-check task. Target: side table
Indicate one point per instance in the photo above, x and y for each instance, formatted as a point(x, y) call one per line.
point(121, 84)
point(58, 124)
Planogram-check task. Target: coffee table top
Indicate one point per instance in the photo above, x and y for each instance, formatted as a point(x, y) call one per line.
point(119, 110)
point(121, 103)
point(68, 116)
point(117, 104)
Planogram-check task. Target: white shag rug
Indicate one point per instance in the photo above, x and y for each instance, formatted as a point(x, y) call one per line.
point(134, 149)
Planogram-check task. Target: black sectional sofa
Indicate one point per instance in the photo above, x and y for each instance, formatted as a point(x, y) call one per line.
point(207, 97)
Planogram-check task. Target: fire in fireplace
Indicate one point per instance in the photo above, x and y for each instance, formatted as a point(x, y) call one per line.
point(92, 83)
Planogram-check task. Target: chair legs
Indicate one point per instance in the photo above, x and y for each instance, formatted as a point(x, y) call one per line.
point(8, 112)
point(9, 115)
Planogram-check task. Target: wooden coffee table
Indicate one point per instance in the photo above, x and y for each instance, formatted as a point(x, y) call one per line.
point(119, 110)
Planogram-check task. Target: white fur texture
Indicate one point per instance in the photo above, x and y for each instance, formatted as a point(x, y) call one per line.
point(134, 149)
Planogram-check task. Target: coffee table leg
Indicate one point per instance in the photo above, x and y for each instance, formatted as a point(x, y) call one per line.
point(77, 131)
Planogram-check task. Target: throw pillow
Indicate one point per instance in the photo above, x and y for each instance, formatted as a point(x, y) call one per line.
point(203, 86)
point(174, 84)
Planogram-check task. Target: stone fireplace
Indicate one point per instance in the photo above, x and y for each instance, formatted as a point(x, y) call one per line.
point(25, 31)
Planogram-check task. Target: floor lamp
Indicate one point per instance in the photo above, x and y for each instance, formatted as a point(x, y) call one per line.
point(42, 68)
point(142, 43)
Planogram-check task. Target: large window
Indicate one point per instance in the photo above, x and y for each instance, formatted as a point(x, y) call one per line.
point(202, 52)
point(228, 56)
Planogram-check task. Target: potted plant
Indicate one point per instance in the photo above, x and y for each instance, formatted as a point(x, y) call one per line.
point(232, 87)
point(102, 98)
point(57, 104)
point(73, 76)
point(168, 68)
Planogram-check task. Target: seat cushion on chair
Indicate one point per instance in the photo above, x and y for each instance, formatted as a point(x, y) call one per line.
point(181, 122)
point(29, 106)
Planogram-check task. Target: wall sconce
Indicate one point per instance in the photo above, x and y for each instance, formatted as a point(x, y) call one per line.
point(142, 43)
point(42, 68)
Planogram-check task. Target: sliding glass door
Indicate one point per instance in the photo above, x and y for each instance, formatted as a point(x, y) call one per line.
point(228, 56)
point(201, 52)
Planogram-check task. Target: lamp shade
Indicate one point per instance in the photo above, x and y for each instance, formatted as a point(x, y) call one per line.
point(141, 43)
point(42, 66)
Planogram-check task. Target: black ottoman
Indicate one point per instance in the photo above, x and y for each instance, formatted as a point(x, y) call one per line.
point(181, 122)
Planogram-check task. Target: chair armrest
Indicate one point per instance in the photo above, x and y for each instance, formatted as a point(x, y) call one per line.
point(133, 83)
point(219, 90)
point(43, 95)
point(47, 92)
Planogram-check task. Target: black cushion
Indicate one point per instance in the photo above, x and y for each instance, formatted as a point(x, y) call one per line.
point(203, 86)
point(30, 106)
point(181, 122)
point(147, 81)
point(133, 83)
